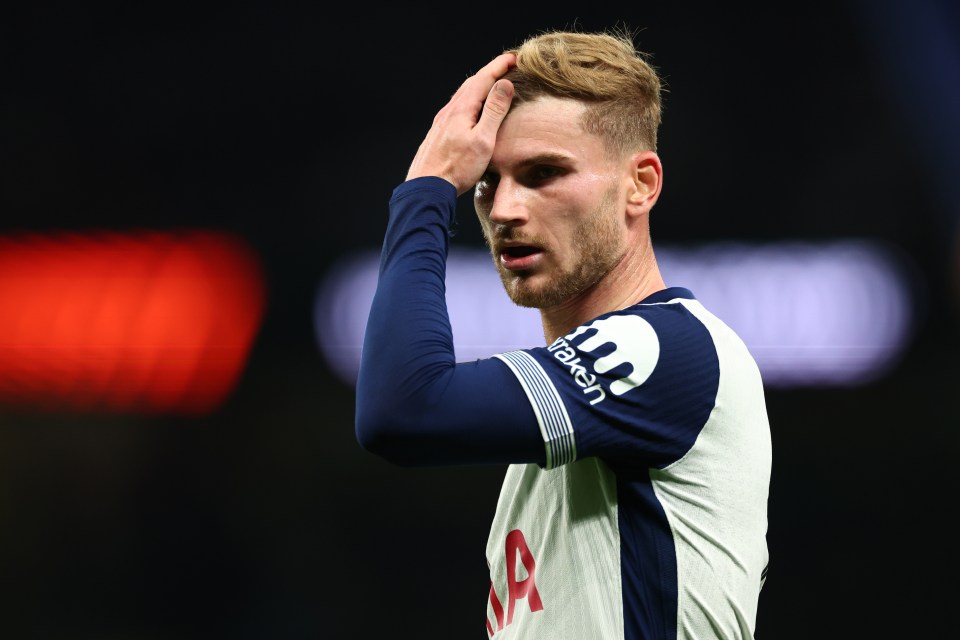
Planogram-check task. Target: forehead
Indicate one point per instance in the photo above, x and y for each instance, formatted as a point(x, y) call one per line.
point(545, 126)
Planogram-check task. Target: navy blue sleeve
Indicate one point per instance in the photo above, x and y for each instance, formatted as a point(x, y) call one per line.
point(637, 385)
point(634, 386)
point(415, 405)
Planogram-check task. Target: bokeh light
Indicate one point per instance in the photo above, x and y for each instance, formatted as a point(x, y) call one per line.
point(145, 322)
point(813, 314)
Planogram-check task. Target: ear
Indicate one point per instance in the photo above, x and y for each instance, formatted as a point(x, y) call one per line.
point(646, 180)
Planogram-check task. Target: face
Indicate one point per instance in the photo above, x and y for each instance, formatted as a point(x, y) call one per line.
point(549, 205)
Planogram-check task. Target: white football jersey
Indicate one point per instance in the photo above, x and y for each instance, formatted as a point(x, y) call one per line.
point(649, 518)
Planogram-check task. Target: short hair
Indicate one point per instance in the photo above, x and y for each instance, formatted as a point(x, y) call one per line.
point(621, 87)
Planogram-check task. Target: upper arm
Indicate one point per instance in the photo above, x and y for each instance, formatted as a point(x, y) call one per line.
point(625, 386)
point(465, 413)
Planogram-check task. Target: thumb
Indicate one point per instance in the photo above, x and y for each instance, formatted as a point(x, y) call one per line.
point(496, 106)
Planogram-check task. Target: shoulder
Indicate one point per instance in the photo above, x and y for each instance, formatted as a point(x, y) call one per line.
point(659, 346)
point(663, 332)
point(638, 382)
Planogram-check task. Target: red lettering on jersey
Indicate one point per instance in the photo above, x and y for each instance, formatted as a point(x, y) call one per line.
point(515, 545)
point(526, 588)
point(497, 610)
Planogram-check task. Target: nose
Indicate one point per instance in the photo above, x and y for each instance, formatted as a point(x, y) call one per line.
point(509, 205)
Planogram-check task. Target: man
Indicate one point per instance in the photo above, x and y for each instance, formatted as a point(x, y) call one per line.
point(635, 501)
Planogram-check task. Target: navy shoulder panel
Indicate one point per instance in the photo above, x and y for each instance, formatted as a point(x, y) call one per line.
point(638, 384)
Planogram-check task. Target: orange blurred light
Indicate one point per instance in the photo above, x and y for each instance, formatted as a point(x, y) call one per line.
point(145, 322)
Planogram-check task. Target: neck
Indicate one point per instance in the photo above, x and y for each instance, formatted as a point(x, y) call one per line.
point(635, 277)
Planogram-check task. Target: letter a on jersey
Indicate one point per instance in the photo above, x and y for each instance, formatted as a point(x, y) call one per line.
point(518, 587)
point(516, 547)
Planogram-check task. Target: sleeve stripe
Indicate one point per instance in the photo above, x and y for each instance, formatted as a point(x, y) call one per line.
point(555, 425)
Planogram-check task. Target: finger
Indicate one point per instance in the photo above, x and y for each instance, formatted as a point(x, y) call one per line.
point(495, 107)
point(478, 85)
point(497, 67)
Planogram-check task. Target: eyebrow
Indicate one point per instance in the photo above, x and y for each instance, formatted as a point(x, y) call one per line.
point(546, 158)
point(552, 157)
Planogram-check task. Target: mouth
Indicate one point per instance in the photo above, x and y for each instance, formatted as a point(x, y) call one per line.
point(519, 257)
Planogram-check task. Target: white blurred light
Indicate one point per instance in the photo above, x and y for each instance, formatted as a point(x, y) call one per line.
point(837, 313)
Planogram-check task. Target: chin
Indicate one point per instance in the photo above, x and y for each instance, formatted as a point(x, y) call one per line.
point(525, 293)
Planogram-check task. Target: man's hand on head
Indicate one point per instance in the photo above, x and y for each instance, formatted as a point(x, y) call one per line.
point(459, 145)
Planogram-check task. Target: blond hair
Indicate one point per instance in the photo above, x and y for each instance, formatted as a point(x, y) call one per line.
point(604, 70)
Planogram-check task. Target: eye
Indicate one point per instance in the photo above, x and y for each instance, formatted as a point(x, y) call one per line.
point(488, 178)
point(545, 172)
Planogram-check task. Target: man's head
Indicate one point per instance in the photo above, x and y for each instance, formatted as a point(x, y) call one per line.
point(605, 71)
point(574, 170)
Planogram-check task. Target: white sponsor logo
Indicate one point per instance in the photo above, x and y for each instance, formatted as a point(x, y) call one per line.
point(634, 342)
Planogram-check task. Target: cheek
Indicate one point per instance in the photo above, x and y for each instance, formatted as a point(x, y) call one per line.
point(482, 198)
point(483, 215)
point(577, 196)
point(483, 195)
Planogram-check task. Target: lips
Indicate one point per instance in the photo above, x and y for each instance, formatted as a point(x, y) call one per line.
point(518, 257)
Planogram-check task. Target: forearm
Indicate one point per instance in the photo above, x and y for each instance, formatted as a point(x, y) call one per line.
point(408, 335)
point(415, 404)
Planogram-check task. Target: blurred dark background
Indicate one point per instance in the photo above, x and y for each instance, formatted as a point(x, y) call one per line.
point(290, 126)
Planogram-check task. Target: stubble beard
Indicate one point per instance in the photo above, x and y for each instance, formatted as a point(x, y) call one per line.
point(598, 245)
